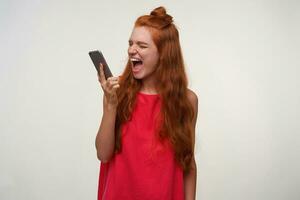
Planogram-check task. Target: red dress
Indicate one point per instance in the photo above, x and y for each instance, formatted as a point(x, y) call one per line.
point(146, 168)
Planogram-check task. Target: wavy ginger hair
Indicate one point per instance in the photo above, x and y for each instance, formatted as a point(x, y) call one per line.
point(176, 110)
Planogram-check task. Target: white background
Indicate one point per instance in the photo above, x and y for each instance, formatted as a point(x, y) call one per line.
point(241, 59)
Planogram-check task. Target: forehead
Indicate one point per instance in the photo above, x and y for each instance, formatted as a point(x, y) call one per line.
point(141, 34)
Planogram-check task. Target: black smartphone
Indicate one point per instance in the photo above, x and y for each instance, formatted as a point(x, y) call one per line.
point(97, 58)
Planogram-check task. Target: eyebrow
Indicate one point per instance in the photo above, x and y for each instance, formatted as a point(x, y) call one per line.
point(138, 42)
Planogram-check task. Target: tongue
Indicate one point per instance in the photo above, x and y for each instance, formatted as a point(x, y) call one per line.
point(137, 67)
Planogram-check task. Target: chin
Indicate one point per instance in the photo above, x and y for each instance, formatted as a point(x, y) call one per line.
point(137, 76)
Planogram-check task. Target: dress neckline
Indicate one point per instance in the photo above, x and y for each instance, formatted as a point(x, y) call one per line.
point(145, 94)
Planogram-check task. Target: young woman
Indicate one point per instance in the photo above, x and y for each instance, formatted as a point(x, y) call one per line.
point(147, 134)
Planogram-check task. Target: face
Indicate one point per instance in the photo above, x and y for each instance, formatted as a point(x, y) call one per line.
point(143, 53)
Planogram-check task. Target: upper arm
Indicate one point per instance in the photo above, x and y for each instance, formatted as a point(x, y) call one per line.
point(194, 102)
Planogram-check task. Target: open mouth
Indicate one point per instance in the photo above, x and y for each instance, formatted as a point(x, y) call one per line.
point(136, 62)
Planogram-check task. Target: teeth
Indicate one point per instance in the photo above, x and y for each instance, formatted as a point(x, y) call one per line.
point(134, 59)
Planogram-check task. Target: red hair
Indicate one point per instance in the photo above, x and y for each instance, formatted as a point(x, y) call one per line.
point(176, 110)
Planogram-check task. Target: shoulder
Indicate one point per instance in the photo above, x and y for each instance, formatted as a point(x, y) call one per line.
point(192, 97)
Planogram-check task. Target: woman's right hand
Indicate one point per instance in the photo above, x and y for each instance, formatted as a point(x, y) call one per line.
point(109, 87)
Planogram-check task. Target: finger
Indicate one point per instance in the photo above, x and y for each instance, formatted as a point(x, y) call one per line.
point(101, 75)
point(116, 86)
point(110, 85)
point(113, 82)
point(113, 78)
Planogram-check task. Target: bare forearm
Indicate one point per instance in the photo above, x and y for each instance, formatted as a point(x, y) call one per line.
point(190, 180)
point(105, 139)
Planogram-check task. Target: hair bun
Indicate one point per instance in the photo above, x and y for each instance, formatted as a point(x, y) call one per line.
point(161, 13)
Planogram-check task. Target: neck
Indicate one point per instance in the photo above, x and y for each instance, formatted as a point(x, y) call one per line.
point(148, 86)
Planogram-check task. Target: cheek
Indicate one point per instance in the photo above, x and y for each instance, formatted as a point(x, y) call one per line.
point(155, 59)
point(151, 62)
point(150, 58)
point(154, 56)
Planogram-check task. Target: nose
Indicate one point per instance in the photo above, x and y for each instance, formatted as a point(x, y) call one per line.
point(132, 50)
